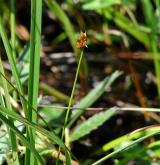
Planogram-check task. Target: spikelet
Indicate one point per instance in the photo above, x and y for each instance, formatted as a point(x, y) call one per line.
point(82, 41)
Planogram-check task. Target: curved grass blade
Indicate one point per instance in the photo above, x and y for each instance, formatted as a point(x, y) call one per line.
point(128, 146)
point(67, 151)
point(67, 26)
point(22, 137)
point(128, 137)
point(51, 135)
point(25, 100)
point(12, 62)
point(12, 136)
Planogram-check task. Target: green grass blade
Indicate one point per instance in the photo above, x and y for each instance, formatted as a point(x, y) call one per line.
point(12, 63)
point(35, 46)
point(150, 20)
point(34, 63)
point(10, 55)
point(148, 13)
point(68, 158)
point(22, 137)
point(66, 24)
point(12, 28)
point(23, 64)
point(56, 139)
point(51, 135)
point(6, 92)
point(126, 147)
point(12, 136)
point(124, 23)
point(13, 66)
point(127, 25)
point(96, 5)
point(57, 10)
point(156, 64)
point(92, 123)
point(41, 118)
point(114, 143)
point(52, 91)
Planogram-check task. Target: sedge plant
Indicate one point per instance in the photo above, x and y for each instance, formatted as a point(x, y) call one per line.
point(35, 43)
point(81, 44)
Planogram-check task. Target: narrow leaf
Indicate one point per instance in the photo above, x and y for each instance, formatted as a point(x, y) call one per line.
point(92, 123)
point(22, 137)
point(93, 96)
point(127, 146)
point(114, 143)
point(101, 4)
point(51, 135)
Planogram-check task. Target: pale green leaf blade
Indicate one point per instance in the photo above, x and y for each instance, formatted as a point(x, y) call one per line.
point(112, 144)
point(93, 95)
point(99, 4)
point(154, 132)
point(92, 123)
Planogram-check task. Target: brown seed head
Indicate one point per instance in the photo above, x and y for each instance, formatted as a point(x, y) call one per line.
point(82, 40)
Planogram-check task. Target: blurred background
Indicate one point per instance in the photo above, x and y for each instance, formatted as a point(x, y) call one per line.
point(122, 35)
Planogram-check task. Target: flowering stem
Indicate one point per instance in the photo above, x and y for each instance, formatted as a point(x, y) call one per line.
point(72, 94)
point(70, 101)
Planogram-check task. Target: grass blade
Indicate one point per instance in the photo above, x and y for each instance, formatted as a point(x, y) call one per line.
point(12, 136)
point(12, 63)
point(66, 24)
point(33, 82)
point(12, 28)
point(54, 92)
point(56, 9)
point(23, 139)
point(93, 96)
point(92, 123)
point(112, 144)
point(149, 18)
point(126, 147)
point(51, 135)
